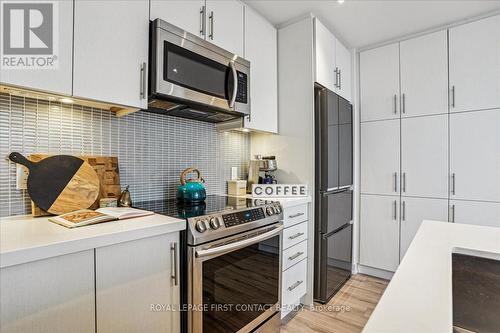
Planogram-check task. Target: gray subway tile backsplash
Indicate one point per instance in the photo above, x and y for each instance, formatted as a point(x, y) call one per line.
point(152, 149)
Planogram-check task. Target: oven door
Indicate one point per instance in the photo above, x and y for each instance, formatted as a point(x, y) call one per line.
point(193, 70)
point(235, 284)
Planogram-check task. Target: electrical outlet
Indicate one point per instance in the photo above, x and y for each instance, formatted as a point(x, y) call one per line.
point(21, 177)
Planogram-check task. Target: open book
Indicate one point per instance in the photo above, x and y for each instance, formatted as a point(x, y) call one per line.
point(83, 217)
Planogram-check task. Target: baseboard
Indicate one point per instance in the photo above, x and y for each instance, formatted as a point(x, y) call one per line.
point(380, 273)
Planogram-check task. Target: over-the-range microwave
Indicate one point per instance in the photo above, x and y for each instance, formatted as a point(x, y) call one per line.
point(192, 78)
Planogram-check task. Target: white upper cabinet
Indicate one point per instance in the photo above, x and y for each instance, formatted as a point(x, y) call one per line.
point(185, 14)
point(475, 65)
point(326, 74)
point(380, 157)
point(475, 155)
point(379, 83)
point(424, 156)
point(424, 75)
point(55, 80)
point(261, 51)
point(333, 62)
point(224, 25)
point(111, 51)
point(343, 66)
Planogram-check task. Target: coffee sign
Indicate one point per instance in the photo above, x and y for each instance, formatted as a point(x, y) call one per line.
point(279, 190)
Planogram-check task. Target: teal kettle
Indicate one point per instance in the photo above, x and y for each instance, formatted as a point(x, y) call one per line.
point(191, 191)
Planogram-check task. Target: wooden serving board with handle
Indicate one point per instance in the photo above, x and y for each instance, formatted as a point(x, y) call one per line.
point(61, 183)
point(107, 170)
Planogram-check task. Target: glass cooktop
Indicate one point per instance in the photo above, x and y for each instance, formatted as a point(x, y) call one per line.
point(212, 204)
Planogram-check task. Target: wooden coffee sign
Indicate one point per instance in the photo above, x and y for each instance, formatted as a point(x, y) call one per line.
point(279, 190)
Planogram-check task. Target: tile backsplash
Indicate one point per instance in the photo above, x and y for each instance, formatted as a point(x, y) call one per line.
point(152, 149)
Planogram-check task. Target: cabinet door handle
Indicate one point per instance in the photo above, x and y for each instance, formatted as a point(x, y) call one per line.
point(453, 179)
point(211, 31)
point(403, 186)
point(175, 275)
point(395, 104)
point(296, 235)
point(143, 81)
point(336, 84)
point(295, 215)
point(296, 255)
point(395, 210)
point(452, 218)
point(403, 109)
point(295, 285)
point(202, 21)
point(452, 96)
point(395, 182)
point(403, 213)
point(340, 79)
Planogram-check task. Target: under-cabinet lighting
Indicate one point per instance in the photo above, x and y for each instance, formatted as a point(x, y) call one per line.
point(340, 1)
point(66, 100)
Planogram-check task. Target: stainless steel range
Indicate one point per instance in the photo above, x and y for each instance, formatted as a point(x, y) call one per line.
point(232, 263)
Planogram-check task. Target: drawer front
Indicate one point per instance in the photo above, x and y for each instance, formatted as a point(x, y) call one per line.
point(294, 254)
point(294, 235)
point(294, 283)
point(294, 215)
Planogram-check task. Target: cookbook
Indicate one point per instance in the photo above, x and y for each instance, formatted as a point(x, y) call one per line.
point(83, 217)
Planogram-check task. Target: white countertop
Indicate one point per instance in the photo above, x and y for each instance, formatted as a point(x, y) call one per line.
point(419, 296)
point(24, 238)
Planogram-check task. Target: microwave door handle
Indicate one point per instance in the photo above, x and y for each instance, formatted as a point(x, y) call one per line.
point(238, 245)
point(235, 87)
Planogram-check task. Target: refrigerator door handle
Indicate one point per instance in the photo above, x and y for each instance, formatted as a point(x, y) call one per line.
point(336, 191)
point(325, 236)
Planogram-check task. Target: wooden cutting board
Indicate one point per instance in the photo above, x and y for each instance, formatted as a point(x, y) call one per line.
point(60, 183)
point(107, 171)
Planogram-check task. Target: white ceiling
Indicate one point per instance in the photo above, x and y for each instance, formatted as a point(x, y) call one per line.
point(361, 23)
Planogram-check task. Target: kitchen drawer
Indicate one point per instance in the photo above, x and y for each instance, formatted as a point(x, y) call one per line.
point(294, 215)
point(294, 254)
point(294, 283)
point(294, 235)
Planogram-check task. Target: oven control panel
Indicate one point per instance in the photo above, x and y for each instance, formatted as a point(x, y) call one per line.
point(232, 219)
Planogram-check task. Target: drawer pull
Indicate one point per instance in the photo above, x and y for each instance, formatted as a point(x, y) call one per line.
point(295, 215)
point(296, 235)
point(296, 255)
point(295, 285)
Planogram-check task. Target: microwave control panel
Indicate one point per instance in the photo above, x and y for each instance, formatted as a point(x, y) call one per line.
point(243, 217)
point(242, 95)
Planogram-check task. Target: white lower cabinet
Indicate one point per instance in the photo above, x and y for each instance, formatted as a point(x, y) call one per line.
point(53, 295)
point(475, 212)
point(131, 278)
point(294, 257)
point(379, 232)
point(414, 211)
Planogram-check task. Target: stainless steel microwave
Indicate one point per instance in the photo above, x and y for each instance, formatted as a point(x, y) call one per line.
point(192, 78)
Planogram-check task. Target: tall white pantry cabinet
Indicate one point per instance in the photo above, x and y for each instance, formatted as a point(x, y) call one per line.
point(430, 136)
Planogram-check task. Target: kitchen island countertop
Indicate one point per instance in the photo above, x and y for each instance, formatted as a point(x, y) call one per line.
point(25, 238)
point(419, 296)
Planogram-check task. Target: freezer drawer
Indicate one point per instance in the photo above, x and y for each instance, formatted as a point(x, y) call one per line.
point(333, 210)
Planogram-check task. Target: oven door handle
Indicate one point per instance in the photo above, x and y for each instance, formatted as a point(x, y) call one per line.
point(240, 244)
point(235, 85)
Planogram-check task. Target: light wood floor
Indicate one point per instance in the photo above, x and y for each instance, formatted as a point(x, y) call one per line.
point(358, 296)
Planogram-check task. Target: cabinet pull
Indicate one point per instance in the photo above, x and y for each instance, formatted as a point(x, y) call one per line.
point(403, 108)
point(453, 183)
point(202, 21)
point(296, 255)
point(395, 103)
point(403, 213)
point(296, 235)
point(143, 81)
point(340, 79)
point(295, 285)
point(452, 96)
point(336, 84)
point(395, 182)
point(295, 215)
point(395, 210)
point(211, 19)
point(403, 186)
point(452, 218)
point(175, 275)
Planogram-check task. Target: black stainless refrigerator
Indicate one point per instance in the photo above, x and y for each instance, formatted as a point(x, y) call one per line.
point(333, 197)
